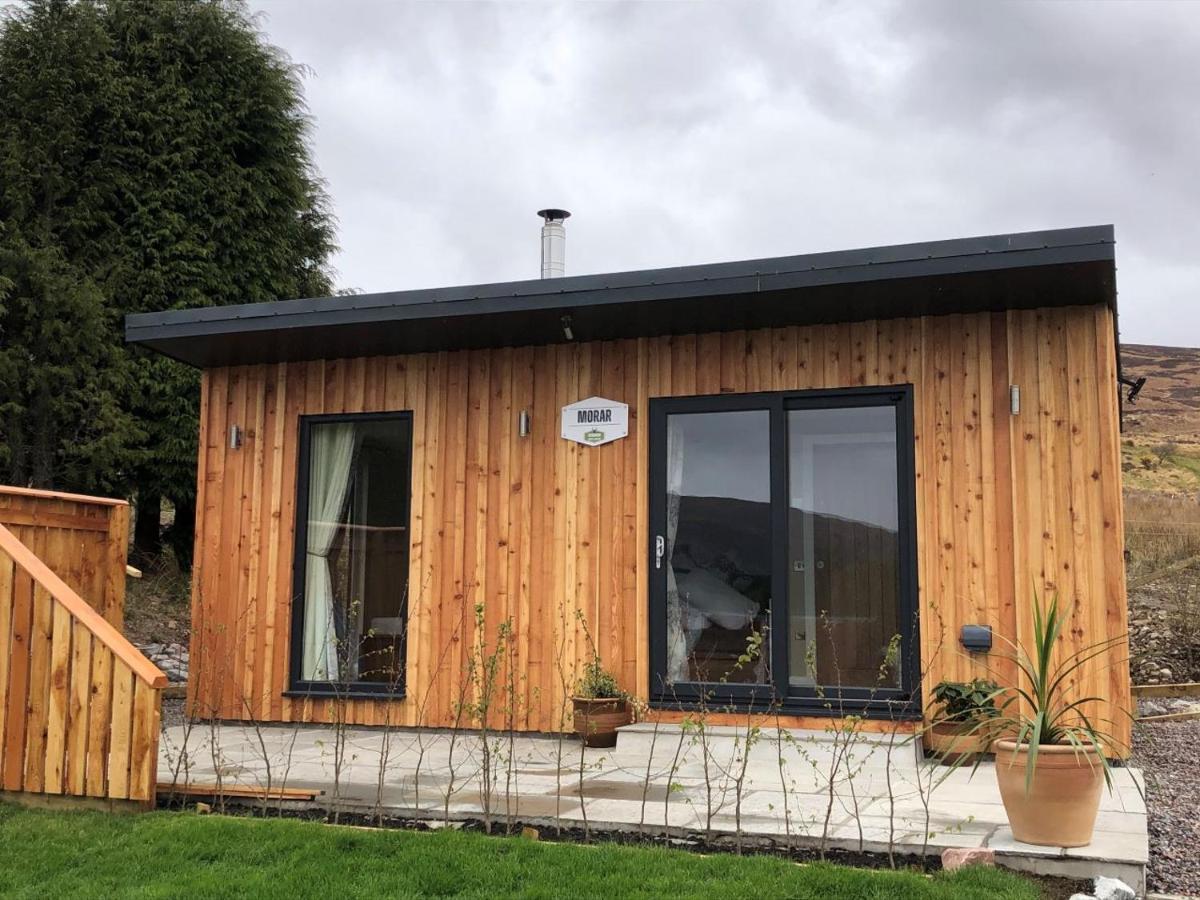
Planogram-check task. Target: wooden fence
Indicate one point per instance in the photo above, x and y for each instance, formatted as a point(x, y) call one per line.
point(85, 541)
point(79, 705)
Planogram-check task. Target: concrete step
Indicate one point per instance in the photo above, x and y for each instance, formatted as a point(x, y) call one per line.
point(870, 749)
point(645, 731)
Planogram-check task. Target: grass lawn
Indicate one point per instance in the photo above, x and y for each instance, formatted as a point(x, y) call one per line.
point(84, 854)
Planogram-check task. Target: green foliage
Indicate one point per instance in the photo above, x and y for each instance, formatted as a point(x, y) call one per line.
point(61, 421)
point(749, 656)
point(597, 682)
point(162, 854)
point(1039, 709)
point(484, 667)
point(966, 701)
point(153, 156)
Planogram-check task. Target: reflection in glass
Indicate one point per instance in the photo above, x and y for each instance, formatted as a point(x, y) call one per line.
point(844, 551)
point(356, 553)
point(718, 546)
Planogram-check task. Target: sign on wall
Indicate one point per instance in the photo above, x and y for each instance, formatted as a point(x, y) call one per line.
point(595, 421)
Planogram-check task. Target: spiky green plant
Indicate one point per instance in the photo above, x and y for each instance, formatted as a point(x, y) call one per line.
point(1038, 709)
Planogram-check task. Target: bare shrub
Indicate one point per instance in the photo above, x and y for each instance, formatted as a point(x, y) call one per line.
point(483, 674)
point(1164, 451)
point(338, 705)
point(395, 681)
point(423, 706)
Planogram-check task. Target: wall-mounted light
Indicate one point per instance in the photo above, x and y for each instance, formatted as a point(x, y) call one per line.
point(567, 332)
point(523, 423)
point(1014, 398)
point(1135, 386)
point(235, 437)
point(976, 638)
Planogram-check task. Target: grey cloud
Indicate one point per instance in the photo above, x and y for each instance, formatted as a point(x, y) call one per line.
point(694, 132)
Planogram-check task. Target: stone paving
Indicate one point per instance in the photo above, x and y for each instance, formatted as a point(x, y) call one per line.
point(658, 777)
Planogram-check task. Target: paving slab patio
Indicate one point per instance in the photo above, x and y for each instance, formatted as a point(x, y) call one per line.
point(660, 777)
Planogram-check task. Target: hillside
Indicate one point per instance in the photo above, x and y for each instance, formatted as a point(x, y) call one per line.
point(1166, 412)
point(1170, 402)
point(1160, 450)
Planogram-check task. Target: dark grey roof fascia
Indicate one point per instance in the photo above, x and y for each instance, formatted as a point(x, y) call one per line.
point(171, 331)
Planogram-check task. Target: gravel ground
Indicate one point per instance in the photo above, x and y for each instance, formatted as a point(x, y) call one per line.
point(1167, 753)
point(172, 712)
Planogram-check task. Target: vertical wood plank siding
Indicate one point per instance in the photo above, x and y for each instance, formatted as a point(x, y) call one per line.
point(538, 529)
point(84, 540)
point(79, 706)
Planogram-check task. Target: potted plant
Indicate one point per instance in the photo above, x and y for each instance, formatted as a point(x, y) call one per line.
point(1051, 769)
point(962, 723)
point(601, 707)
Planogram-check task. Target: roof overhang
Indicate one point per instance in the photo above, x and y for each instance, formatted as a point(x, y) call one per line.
point(1065, 267)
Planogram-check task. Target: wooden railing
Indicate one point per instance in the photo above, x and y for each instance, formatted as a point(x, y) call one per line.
point(85, 540)
point(79, 704)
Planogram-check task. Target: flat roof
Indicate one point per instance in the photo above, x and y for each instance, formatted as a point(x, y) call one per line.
point(1061, 267)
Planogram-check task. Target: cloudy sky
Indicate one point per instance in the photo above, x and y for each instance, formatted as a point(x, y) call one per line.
point(685, 133)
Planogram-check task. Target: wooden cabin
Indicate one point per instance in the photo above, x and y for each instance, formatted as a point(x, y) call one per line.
point(782, 485)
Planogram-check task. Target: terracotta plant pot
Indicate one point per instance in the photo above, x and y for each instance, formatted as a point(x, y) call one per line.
point(1060, 808)
point(953, 744)
point(597, 720)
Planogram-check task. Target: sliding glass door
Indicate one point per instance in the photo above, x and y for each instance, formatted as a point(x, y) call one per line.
point(783, 557)
point(716, 556)
point(843, 546)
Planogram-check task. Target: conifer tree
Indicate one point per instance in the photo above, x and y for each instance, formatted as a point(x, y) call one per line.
point(153, 156)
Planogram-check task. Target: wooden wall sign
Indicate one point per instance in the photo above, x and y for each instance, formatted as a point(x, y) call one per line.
point(595, 421)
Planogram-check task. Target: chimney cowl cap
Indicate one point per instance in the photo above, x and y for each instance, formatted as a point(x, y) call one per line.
point(554, 215)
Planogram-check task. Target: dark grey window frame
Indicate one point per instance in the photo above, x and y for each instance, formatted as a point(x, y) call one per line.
point(903, 702)
point(297, 686)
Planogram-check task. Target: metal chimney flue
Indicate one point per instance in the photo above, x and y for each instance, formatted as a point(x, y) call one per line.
point(554, 242)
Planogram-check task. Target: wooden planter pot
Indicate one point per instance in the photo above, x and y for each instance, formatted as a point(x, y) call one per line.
point(1060, 808)
point(597, 720)
point(951, 744)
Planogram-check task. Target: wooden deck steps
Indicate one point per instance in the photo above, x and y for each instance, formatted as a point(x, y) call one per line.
point(79, 704)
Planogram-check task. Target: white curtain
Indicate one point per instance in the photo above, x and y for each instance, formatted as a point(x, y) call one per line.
point(331, 455)
point(677, 644)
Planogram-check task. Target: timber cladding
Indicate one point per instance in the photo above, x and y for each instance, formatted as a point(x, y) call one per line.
point(79, 706)
point(85, 540)
point(538, 529)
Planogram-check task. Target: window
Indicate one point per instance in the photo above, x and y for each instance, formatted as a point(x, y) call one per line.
point(784, 548)
point(352, 543)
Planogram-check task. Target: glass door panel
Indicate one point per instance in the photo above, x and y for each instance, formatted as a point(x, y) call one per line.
point(718, 547)
point(843, 546)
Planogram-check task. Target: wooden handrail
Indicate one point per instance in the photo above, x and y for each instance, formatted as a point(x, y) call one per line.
point(59, 495)
point(82, 611)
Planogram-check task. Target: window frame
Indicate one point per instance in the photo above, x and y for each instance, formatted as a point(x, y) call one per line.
point(827, 700)
point(298, 686)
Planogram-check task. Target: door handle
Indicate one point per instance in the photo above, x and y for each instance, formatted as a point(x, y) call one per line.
point(660, 550)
